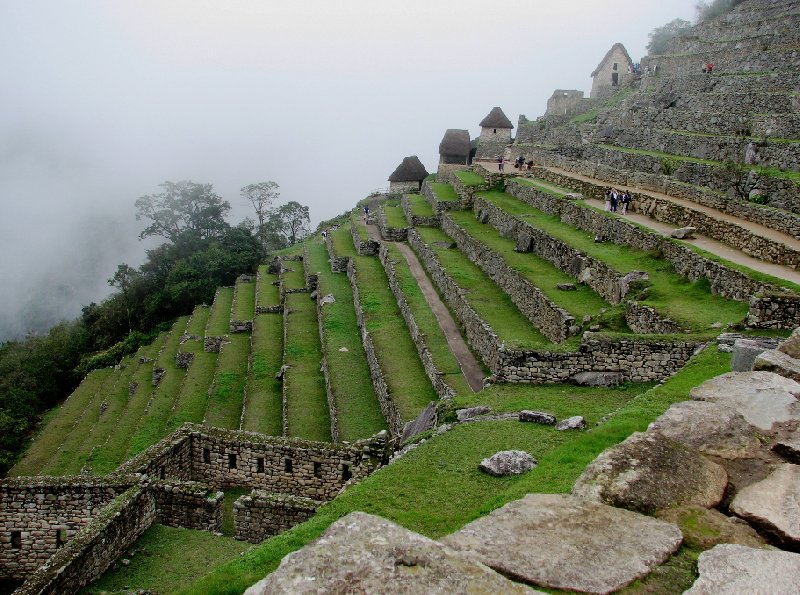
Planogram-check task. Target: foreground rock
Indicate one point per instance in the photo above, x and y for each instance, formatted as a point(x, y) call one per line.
point(737, 569)
point(560, 542)
point(779, 363)
point(745, 352)
point(791, 346)
point(771, 505)
point(362, 553)
point(683, 233)
point(649, 472)
point(508, 462)
point(789, 448)
point(711, 428)
point(704, 528)
point(763, 398)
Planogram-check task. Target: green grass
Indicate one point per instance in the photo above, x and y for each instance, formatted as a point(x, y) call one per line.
point(444, 192)
point(437, 488)
point(470, 178)
point(690, 304)
point(357, 221)
point(192, 400)
point(245, 301)
point(420, 206)
point(542, 186)
point(491, 303)
point(264, 402)
point(539, 272)
point(442, 357)
point(160, 563)
point(395, 217)
point(111, 455)
point(359, 413)
point(770, 139)
point(304, 385)
point(226, 396)
point(59, 424)
point(342, 240)
point(219, 319)
point(405, 377)
point(293, 277)
point(196, 327)
point(268, 295)
point(585, 117)
point(153, 426)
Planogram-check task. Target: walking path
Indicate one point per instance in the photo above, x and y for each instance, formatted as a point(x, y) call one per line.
point(466, 361)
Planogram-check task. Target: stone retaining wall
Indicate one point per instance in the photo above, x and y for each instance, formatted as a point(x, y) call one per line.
point(467, 193)
point(338, 263)
point(774, 310)
point(329, 391)
point(240, 326)
point(363, 247)
point(645, 320)
point(552, 321)
point(187, 504)
point(417, 220)
point(434, 374)
point(391, 234)
point(438, 206)
point(261, 515)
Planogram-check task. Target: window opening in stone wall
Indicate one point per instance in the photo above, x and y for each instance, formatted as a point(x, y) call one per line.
point(260, 464)
point(61, 537)
point(614, 79)
point(494, 130)
point(317, 469)
point(615, 66)
point(231, 461)
point(206, 455)
point(16, 540)
point(287, 465)
point(346, 474)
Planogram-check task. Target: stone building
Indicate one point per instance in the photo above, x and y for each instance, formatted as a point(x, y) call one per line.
point(495, 134)
point(455, 150)
point(563, 102)
point(408, 176)
point(612, 71)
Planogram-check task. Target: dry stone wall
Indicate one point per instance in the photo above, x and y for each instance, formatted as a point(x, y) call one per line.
point(188, 504)
point(240, 326)
point(329, 390)
point(774, 310)
point(438, 206)
point(363, 247)
point(261, 514)
point(391, 234)
point(338, 263)
point(415, 220)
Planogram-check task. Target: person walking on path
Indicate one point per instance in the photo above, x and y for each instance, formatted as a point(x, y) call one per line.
point(625, 200)
point(499, 163)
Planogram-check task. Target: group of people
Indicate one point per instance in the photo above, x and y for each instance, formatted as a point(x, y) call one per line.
point(519, 163)
point(617, 199)
point(637, 70)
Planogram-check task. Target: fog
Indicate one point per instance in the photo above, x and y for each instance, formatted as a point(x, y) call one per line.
point(102, 101)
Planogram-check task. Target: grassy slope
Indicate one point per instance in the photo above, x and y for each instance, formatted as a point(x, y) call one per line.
point(444, 191)
point(420, 206)
point(436, 489)
point(359, 414)
point(342, 240)
point(196, 326)
point(192, 400)
point(267, 293)
point(219, 317)
point(304, 385)
point(470, 178)
point(492, 304)
point(293, 277)
point(264, 402)
point(689, 303)
point(245, 301)
point(226, 396)
point(395, 217)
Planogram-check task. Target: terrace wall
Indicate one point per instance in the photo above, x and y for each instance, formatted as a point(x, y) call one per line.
point(363, 247)
point(338, 263)
point(438, 206)
point(391, 234)
point(261, 514)
point(467, 193)
point(240, 326)
point(415, 220)
point(329, 391)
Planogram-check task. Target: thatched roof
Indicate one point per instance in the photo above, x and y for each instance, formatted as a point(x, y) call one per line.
point(496, 119)
point(455, 142)
point(616, 46)
point(410, 170)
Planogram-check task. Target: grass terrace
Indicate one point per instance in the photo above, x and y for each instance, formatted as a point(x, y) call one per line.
point(690, 304)
point(245, 301)
point(219, 319)
point(539, 272)
point(489, 301)
point(395, 217)
point(419, 206)
point(267, 293)
point(442, 357)
point(153, 426)
point(304, 388)
point(342, 239)
point(263, 411)
point(409, 387)
point(444, 192)
point(196, 327)
point(226, 396)
point(437, 488)
point(359, 413)
point(541, 185)
point(293, 275)
point(470, 178)
point(192, 400)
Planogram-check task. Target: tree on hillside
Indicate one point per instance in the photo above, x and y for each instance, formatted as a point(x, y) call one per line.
point(261, 196)
point(291, 222)
point(123, 280)
point(709, 10)
point(183, 208)
point(660, 36)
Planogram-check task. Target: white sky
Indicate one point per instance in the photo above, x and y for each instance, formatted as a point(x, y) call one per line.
point(100, 101)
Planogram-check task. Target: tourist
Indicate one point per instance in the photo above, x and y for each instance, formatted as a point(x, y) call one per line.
point(499, 163)
point(607, 206)
point(625, 200)
point(530, 164)
point(614, 201)
point(366, 212)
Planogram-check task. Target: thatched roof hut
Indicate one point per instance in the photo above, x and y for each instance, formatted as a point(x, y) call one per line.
point(455, 146)
point(410, 170)
point(496, 119)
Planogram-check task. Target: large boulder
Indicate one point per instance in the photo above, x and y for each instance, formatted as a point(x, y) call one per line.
point(362, 553)
point(788, 447)
point(745, 352)
point(791, 346)
point(704, 528)
point(576, 422)
point(733, 569)
point(560, 542)
point(537, 417)
point(642, 474)
point(711, 428)
point(771, 506)
point(508, 462)
point(763, 398)
point(683, 233)
point(778, 362)
point(471, 412)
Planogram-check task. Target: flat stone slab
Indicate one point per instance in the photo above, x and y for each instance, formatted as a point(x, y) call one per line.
point(642, 474)
point(745, 352)
point(779, 363)
point(560, 542)
point(763, 398)
point(537, 417)
point(362, 553)
point(470, 412)
point(771, 505)
point(711, 428)
point(730, 569)
point(508, 462)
